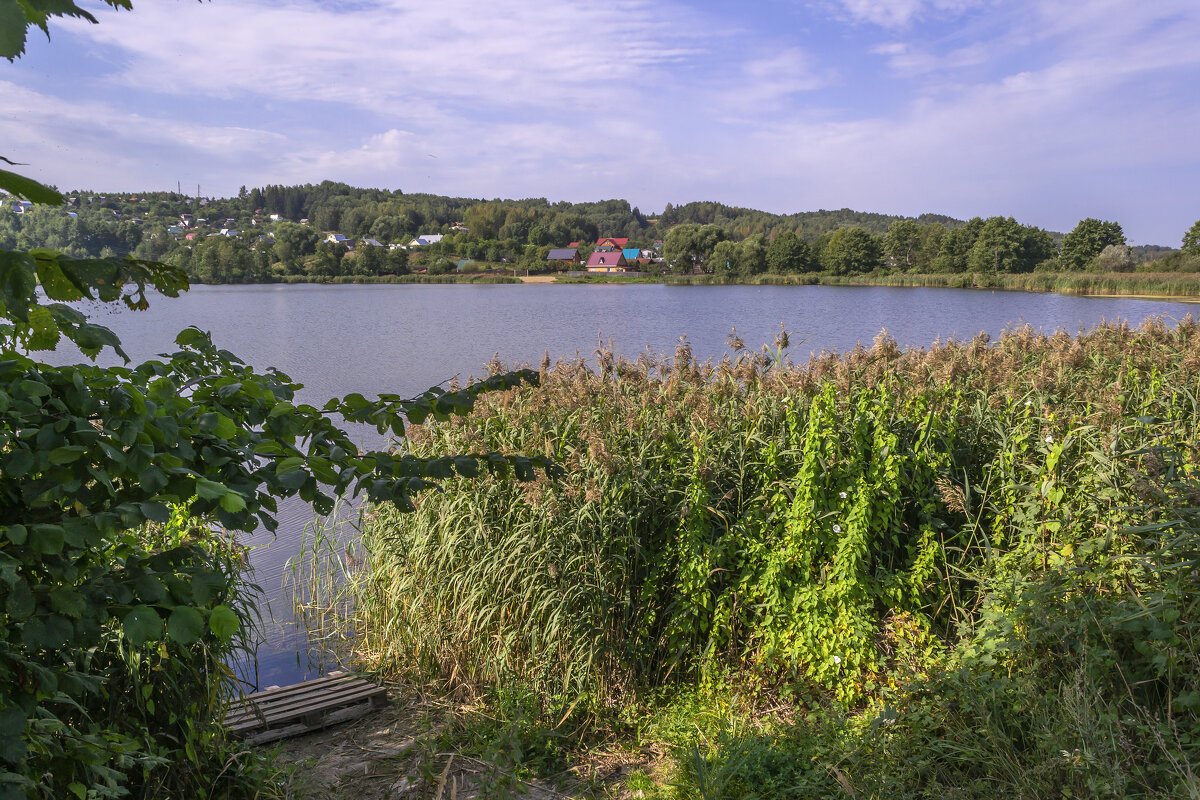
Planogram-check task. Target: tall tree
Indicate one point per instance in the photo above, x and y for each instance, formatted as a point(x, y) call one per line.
point(752, 255)
point(690, 245)
point(788, 254)
point(1004, 245)
point(1089, 238)
point(1191, 239)
point(902, 243)
point(852, 250)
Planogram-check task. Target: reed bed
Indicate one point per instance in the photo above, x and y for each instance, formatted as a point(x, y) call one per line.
point(1150, 284)
point(869, 532)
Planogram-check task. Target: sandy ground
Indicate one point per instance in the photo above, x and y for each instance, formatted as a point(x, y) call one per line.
point(396, 753)
point(537, 279)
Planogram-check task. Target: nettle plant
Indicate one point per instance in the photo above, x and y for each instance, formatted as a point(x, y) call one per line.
point(115, 585)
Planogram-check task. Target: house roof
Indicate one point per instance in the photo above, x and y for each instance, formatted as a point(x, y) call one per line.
point(613, 242)
point(602, 258)
point(562, 254)
point(631, 252)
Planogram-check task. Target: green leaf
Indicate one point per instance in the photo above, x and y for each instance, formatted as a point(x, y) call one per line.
point(18, 184)
point(223, 622)
point(185, 625)
point(66, 455)
point(466, 466)
point(12, 722)
point(16, 533)
point(20, 602)
point(142, 624)
point(46, 539)
point(226, 428)
point(12, 33)
point(67, 602)
point(233, 502)
point(56, 284)
point(207, 586)
point(18, 463)
point(51, 632)
point(209, 490)
point(155, 511)
point(17, 284)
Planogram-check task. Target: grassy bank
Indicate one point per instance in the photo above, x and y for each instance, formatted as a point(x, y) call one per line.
point(1162, 284)
point(968, 570)
point(450, 278)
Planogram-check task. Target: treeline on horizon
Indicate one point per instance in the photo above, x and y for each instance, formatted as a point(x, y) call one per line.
point(238, 242)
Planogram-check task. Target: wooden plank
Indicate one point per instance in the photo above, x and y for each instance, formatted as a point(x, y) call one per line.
point(301, 707)
point(309, 705)
point(281, 706)
point(260, 704)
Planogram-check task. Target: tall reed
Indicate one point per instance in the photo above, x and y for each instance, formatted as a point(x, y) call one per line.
point(803, 522)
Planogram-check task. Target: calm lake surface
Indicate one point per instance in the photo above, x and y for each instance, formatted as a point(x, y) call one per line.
point(405, 338)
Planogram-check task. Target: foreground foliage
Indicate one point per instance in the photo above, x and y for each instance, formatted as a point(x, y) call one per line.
point(115, 630)
point(970, 567)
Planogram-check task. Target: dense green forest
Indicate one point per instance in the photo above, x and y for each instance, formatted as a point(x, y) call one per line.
point(279, 233)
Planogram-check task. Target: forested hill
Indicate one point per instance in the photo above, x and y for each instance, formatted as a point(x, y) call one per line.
point(393, 215)
point(743, 222)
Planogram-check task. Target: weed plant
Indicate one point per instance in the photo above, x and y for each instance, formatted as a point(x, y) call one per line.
point(967, 570)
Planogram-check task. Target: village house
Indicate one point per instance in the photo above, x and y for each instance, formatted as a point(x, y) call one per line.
point(337, 238)
point(425, 239)
point(563, 256)
point(606, 261)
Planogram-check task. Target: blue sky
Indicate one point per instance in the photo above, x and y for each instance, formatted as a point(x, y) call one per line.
point(1045, 111)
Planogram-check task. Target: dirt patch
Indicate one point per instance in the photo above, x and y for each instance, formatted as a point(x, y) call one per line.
point(538, 279)
point(405, 751)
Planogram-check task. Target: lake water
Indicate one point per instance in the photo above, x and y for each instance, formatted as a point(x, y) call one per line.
point(405, 338)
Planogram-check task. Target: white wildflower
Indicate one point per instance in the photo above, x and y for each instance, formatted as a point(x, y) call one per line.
point(1050, 440)
point(837, 659)
point(1028, 402)
point(842, 495)
point(837, 528)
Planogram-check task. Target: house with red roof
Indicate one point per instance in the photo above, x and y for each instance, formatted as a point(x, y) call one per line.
point(615, 244)
point(606, 261)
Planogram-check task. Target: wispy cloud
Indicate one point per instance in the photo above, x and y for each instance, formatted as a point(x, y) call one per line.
point(503, 55)
point(900, 13)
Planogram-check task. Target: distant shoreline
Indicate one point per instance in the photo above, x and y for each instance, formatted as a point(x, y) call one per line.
point(1151, 286)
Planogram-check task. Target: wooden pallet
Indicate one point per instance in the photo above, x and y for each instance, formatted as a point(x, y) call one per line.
point(276, 713)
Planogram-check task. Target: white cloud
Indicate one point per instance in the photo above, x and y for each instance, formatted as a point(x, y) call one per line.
point(77, 144)
point(399, 53)
point(901, 13)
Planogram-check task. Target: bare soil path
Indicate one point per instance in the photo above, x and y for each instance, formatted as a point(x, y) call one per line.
point(406, 751)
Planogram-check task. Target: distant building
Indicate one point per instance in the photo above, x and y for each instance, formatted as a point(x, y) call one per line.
point(337, 238)
point(373, 242)
point(569, 255)
point(609, 243)
point(606, 261)
point(425, 239)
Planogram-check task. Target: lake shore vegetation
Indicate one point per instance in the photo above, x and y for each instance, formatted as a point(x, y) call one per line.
point(331, 232)
point(966, 570)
